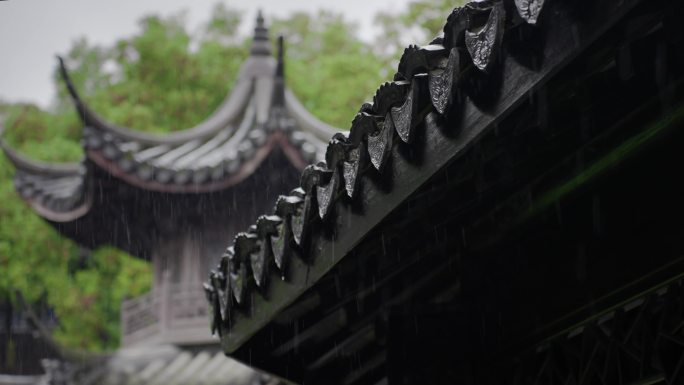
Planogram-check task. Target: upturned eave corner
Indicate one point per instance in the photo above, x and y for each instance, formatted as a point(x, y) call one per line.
point(259, 115)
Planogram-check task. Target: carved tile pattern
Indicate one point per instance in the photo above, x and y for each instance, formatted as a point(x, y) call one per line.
point(350, 169)
point(529, 9)
point(278, 245)
point(442, 85)
point(259, 260)
point(484, 44)
point(380, 145)
point(402, 116)
point(326, 194)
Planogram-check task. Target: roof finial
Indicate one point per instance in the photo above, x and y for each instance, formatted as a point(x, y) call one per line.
point(280, 70)
point(260, 18)
point(260, 43)
point(279, 86)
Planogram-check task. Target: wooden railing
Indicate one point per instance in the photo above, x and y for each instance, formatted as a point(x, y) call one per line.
point(140, 316)
point(172, 313)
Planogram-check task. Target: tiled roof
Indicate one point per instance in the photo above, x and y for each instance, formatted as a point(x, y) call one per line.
point(56, 191)
point(259, 115)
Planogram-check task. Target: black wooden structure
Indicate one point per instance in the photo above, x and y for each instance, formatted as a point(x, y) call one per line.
point(506, 211)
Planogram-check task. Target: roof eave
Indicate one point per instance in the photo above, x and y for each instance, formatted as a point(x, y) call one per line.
point(441, 145)
point(33, 166)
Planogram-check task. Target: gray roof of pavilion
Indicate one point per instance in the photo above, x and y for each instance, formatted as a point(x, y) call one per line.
point(56, 191)
point(258, 115)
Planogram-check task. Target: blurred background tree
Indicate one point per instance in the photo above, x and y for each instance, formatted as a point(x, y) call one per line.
point(159, 80)
point(327, 66)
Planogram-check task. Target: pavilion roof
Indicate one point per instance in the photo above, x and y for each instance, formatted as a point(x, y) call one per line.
point(257, 116)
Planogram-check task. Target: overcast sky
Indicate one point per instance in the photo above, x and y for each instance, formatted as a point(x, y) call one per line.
point(32, 32)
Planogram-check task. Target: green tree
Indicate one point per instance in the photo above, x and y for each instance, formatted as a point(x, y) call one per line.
point(153, 81)
point(418, 24)
point(328, 67)
point(156, 81)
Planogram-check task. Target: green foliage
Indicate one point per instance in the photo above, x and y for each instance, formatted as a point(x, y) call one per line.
point(328, 67)
point(420, 23)
point(43, 135)
point(428, 15)
point(160, 80)
point(156, 81)
point(35, 260)
point(223, 24)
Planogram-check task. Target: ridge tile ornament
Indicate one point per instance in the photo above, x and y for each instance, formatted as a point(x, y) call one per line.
point(389, 94)
point(351, 168)
point(418, 60)
point(279, 245)
point(325, 194)
point(222, 293)
point(380, 143)
point(237, 275)
point(407, 116)
point(266, 226)
point(443, 92)
point(484, 41)
point(529, 10)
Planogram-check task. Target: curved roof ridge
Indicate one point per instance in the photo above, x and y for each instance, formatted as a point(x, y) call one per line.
point(56, 191)
point(259, 115)
point(306, 120)
point(23, 163)
point(259, 64)
point(226, 112)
